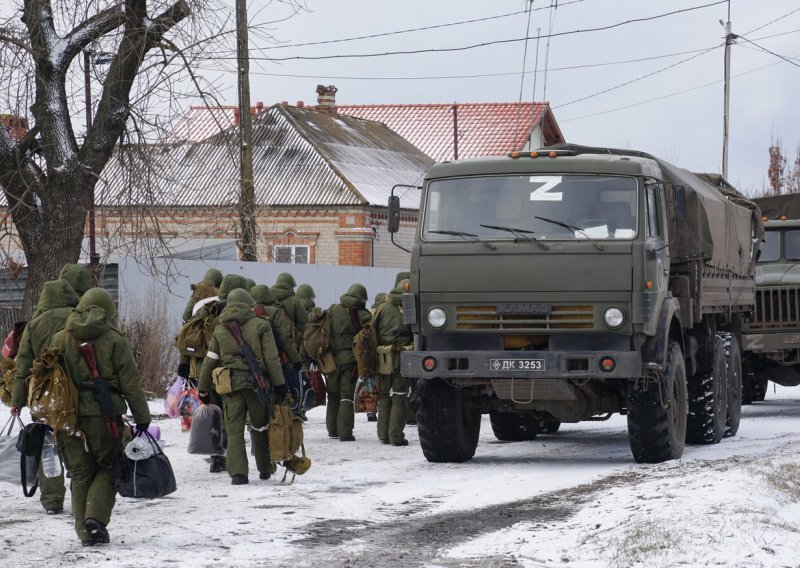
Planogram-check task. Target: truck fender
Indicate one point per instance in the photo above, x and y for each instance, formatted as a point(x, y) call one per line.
point(655, 349)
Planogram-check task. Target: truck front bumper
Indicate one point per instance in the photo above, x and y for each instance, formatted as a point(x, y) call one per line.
point(518, 364)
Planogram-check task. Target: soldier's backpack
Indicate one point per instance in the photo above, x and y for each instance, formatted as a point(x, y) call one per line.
point(7, 369)
point(365, 350)
point(286, 439)
point(52, 396)
point(195, 335)
point(318, 340)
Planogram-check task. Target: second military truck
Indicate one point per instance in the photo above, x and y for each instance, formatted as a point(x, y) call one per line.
point(572, 283)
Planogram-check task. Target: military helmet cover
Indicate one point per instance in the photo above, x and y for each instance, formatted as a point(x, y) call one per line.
point(286, 278)
point(99, 297)
point(241, 296)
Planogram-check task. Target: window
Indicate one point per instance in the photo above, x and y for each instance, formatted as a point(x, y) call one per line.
point(653, 213)
point(792, 245)
point(294, 254)
point(771, 247)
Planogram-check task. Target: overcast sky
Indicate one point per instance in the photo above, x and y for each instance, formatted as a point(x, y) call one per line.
point(675, 113)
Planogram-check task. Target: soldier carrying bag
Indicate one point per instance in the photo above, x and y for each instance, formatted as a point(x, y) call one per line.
point(195, 335)
point(317, 340)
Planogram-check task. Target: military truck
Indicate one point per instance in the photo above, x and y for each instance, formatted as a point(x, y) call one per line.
point(771, 339)
point(573, 283)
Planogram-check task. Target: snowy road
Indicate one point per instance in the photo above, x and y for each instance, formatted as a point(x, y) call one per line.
point(574, 498)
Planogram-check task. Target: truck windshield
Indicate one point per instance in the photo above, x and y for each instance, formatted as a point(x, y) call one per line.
point(792, 245)
point(771, 247)
point(585, 207)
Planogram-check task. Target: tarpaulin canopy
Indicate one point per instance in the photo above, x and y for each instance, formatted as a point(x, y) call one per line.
point(773, 207)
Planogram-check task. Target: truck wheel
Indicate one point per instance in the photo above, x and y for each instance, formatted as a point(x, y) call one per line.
point(448, 423)
point(708, 400)
point(733, 362)
point(760, 389)
point(549, 426)
point(513, 426)
point(656, 427)
point(754, 383)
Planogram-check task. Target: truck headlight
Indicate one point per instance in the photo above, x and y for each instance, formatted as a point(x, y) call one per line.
point(437, 317)
point(614, 317)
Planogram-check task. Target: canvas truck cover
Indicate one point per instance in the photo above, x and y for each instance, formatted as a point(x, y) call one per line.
point(722, 226)
point(773, 207)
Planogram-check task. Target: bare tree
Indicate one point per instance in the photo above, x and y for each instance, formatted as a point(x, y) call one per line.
point(143, 54)
point(783, 177)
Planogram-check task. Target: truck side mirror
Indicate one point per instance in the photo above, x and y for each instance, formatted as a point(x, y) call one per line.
point(680, 203)
point(393, 224)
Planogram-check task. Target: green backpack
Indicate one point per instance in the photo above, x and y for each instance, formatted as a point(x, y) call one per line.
point(318, 341)
point(195, 335)
point(52, 395)
point(365, 350)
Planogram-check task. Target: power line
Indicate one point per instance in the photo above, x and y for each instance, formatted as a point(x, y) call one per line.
point(640, 78)
point(778, 55)
point(485, 44)
point(778, 19)
point(426, 28)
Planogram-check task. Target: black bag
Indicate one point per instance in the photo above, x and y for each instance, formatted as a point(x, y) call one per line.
point(299, 385)
point(205, 437)
point(148, 478)
point(29, 444)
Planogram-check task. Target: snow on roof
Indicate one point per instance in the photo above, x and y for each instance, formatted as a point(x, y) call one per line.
point(301, 156)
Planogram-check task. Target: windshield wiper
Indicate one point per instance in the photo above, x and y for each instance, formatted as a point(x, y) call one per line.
point(573, 228)
point(472, 236)
point(521, 234)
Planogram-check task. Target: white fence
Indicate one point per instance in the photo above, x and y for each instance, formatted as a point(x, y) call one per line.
point(139, 290)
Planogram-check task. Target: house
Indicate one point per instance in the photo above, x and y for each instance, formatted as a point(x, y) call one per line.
point(322, 182)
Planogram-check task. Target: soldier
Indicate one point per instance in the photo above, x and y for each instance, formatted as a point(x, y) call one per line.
point(291, 304)
point(249, 283)
point(189, 367)
point(241, 401)
point(306, 294)
point(78, 277)
point(347, 318)
point(378, 301)
point(90, 457)
point(393, 403)
point(52, 310)
point(206, 288)
point(281, 326)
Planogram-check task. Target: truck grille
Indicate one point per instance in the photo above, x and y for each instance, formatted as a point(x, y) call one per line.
point(776, 308)
point(561, 317)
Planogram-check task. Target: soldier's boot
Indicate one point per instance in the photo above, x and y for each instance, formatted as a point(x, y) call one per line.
point(239, 479)
point(372, 416)
point(217, 464)
point(98, 534)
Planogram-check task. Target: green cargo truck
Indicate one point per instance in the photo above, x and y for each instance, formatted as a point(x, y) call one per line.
point(573, 283)
point(771, 339)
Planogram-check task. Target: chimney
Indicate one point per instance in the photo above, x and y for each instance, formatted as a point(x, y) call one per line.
point(17, 126)
point(300, 104)
point(259, 106)
point(236, 117)
point(326, 100)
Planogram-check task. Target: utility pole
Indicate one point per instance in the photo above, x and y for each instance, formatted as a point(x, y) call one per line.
point(247, 202)
point(729, 38)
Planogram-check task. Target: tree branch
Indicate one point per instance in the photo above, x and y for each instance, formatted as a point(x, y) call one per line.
point(88, 31)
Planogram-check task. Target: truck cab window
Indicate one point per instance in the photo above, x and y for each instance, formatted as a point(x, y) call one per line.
point(654, 228)
point(792, 245)
point(771, 247)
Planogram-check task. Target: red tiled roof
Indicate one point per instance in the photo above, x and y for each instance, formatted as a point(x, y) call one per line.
point(484, 129)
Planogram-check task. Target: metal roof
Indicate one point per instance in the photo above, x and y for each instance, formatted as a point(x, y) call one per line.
point(484, 129)
point(301, 156)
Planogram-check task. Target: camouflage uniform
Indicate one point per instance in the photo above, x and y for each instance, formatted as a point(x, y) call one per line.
point(378, 301)
point(78, 277)
point(393, 403)
point(90, 457)
point(206, 288)
point(281, 326)
point(341, 383)
point(225, 352)
point(52, 310)
point(285, 298)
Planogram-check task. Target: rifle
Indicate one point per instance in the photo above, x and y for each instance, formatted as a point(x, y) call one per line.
point(259, 385)
point(100, 386)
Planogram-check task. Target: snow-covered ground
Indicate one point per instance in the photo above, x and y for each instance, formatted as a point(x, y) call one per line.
point(574, 498)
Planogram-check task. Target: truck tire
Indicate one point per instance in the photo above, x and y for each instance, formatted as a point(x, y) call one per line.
point(733, 363)
point(513, 426)
point(754, 382)
point(656, 431)
point(708, 400)
point(447, 422)
point(549, 426)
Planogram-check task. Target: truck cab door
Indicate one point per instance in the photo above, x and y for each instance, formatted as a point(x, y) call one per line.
point(657, 259)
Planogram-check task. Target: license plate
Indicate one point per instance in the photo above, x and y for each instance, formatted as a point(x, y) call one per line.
point(791, 339)
point(516, 365)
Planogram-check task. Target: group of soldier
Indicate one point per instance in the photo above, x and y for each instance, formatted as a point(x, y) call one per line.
point(272, 320)
point(276, 318)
